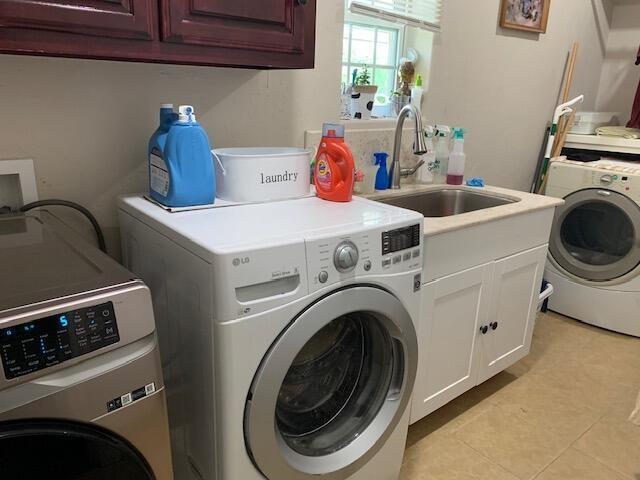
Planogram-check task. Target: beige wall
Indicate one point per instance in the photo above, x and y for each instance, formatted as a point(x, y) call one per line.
point(620, 76)
point(502, 84)
point(86, 123)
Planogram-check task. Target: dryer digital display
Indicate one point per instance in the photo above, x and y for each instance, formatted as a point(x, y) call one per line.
point(32, 346)
point(400, 239)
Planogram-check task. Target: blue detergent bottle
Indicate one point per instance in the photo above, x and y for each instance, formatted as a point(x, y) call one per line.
point(182, 175)
point(155, 152)
point(382, 177)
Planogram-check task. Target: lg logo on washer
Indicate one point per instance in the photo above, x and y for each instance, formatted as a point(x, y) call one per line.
point(240, 261)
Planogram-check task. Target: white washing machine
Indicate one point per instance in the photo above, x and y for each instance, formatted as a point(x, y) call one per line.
point(81, 391)
point(288, 334)
point(594, 249)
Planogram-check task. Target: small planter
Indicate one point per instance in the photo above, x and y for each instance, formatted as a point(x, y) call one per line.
point(362, 101)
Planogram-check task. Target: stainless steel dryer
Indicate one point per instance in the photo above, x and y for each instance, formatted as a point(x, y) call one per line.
point(81, 390)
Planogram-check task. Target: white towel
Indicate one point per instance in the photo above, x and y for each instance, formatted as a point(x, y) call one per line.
point(613, 131)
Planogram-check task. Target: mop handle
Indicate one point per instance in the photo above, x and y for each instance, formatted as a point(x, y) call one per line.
point(561, 110)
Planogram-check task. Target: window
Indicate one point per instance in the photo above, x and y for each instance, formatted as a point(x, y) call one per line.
point(375, 47)
point(376, 34)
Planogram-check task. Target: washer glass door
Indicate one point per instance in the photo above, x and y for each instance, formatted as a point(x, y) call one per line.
point(36, 449)
point(595, 235)
point(333, 386)
point(336, 385)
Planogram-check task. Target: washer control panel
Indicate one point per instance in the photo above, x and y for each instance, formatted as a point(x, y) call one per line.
point(367, 252)
point(400, 239)
point(28, 347)
point(345, 257)
point(610, 179)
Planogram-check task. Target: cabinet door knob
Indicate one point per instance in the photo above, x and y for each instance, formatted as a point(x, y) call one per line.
point(493, 325)
point(484, 329)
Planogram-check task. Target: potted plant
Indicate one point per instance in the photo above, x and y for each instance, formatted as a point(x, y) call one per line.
point(362, 95)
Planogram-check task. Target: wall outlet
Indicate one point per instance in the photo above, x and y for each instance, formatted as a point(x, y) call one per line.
point(17, 183)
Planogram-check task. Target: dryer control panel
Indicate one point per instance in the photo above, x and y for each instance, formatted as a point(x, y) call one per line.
point(28, 347)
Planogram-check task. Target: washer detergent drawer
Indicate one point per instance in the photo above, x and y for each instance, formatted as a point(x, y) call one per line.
point(247, 283)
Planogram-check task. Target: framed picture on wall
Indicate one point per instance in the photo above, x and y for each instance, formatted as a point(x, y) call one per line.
point(528, 15)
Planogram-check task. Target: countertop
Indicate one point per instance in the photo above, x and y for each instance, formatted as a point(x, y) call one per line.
point(527, 202)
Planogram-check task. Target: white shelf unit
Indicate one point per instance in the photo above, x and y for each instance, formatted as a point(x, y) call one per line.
point(603, 144)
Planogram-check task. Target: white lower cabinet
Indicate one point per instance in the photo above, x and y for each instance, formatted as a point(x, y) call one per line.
point(453, 308)
point(514, 301)
point(474, 324)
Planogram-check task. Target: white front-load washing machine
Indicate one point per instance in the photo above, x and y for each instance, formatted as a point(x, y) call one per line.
point(288, 334)
point(81, 390)
point(594, 249)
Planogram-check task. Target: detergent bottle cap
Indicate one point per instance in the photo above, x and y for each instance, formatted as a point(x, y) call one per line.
point(419, 80)
point(166, 105)
point(185, 114)
point(333, 130)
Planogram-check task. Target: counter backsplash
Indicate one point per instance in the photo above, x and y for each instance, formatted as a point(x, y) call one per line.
point(364, 142)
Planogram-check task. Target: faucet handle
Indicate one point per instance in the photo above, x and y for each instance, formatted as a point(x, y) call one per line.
point(405, 172)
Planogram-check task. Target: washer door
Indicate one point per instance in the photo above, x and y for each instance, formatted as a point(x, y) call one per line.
point(332, 387)
point(47, 448)
point(595, 235)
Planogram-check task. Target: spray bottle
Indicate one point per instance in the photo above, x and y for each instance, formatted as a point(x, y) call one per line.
point(457, 158)
point(425, 173)
point(442, 153)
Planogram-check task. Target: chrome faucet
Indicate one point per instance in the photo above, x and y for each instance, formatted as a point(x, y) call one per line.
point(419, 146)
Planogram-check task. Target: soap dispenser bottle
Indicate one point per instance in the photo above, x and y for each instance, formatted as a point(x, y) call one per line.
point(417, 93)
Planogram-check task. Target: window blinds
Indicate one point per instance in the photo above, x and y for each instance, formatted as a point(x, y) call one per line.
point(423, 14)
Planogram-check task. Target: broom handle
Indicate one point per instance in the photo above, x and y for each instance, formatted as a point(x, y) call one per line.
point(571, 66)
point(563, 134)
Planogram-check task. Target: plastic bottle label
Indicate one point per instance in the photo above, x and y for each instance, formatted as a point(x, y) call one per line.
point(323, 173)
point(159, 175)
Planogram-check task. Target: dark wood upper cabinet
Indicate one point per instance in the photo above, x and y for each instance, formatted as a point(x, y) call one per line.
point(268, 25)
point(106, 18)
point(243, 33)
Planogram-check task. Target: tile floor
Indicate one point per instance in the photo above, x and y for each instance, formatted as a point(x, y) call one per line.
point(559, 414)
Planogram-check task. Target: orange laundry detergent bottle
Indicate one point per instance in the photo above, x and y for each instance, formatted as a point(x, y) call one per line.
point(334, 172)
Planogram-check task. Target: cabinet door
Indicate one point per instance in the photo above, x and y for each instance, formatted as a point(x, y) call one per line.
point(284, 26)
point(131, 19)
point(516, 286)
point(453, 308)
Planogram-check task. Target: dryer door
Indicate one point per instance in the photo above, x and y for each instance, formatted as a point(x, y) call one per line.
point(332, 387)
point(48, 448)
point(595, 235)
